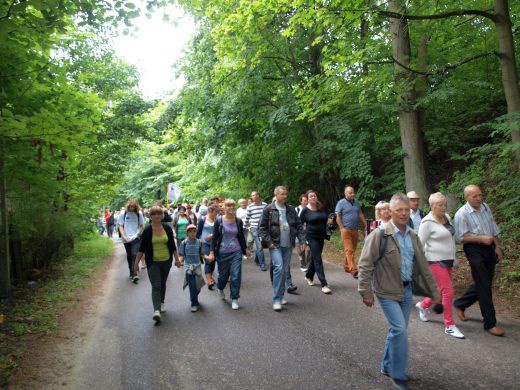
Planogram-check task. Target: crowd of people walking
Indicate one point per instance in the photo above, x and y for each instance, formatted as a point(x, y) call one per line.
point(406, 252)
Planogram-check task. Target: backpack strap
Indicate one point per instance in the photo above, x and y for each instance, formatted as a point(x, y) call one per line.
point(383, 242)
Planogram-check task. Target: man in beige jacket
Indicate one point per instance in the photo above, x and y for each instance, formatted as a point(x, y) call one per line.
point(392, 275)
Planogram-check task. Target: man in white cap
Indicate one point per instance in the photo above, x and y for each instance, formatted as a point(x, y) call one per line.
point(416, 214)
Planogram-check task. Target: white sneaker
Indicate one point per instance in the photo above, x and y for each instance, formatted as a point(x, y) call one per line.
point(326, 290)
point(277, 306)
point(309, 281)
point(157, 316)
point(284, 302)
point(222, 294)
point(454, 331)
point(135, 279)
point(194, 309)
point(423, 313)
point(163, 308)
point(234, 304)
point(303, 269)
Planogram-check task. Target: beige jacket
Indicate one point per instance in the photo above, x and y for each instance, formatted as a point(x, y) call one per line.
point(384, 279)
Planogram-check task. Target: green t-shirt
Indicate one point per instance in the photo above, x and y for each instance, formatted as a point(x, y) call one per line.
point(160, 248)
point(182, 224)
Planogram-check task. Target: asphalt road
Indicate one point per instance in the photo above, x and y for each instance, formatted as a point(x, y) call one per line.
point(317, 342)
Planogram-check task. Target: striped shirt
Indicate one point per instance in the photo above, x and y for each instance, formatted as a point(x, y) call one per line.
point(476, 223)
point(253, 215)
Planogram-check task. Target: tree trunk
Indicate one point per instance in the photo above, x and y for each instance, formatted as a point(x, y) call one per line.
point(508, 64)
point(5, 263)
point(412, 139)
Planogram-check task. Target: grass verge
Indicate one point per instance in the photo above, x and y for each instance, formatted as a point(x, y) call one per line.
point(34, 309)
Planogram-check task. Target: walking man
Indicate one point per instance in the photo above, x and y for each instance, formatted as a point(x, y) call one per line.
point(390, 274)
point(279, 226)
point(416, 214)
point(348, 215)
point(475, 227)
point(253, 215)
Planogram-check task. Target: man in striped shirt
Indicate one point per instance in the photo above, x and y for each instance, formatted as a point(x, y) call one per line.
point(475, 227)
point(253, 215)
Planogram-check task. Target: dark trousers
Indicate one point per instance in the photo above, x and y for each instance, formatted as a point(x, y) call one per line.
point(316, 265)
point(110, 229)
point(131, 249)
point(158, 274)
point(482, 260)
point(194, 293)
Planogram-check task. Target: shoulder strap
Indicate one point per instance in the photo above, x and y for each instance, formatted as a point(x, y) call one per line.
point(383, 242)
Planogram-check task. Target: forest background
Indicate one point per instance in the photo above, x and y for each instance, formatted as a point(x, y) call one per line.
point(384, 95)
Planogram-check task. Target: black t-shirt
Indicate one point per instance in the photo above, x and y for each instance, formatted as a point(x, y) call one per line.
point(316, 223)
point(167, 218)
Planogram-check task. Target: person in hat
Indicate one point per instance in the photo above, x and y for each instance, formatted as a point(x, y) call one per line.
point(190, 256)
point(416, 214)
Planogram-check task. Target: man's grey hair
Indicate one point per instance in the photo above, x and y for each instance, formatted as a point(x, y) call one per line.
point(279, 188)
point(399, 197)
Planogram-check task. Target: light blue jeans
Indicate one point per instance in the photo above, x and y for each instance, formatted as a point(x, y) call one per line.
point(259, 249)
point(230, 267)
point(397, 313)
point(280, 262)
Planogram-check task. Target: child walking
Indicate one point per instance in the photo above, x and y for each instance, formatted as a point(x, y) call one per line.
point(190, 255)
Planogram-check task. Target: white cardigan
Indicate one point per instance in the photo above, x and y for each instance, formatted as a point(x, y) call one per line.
point(438, 242)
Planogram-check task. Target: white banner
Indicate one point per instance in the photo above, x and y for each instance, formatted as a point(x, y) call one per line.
point(174, 192)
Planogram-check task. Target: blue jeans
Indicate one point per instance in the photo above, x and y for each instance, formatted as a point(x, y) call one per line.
point(259, 249)
point(230, 267)
point(280, 263)
point(395, 356)
point(194, 293)
point(209, 267)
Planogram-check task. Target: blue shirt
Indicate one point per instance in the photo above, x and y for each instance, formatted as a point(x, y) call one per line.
point(407, 252)
point(349, 213)
point(191, 251)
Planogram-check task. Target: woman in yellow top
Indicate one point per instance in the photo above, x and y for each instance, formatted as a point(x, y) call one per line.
point(158, 246)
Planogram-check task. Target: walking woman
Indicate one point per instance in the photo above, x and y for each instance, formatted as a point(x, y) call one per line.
point(382, 214)
point(315, 218)
point(180, 223)
point(228, 246)
point(205, 233)
point(436, 234)
point(158, 246)
point(130, 225)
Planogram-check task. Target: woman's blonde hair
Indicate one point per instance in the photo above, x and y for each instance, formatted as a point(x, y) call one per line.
point(380, 206)
point(437, 198)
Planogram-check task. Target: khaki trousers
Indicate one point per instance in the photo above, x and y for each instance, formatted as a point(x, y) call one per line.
point(350, 240)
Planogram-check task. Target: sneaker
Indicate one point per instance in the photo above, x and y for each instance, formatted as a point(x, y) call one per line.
point(400, 384)
point(157, 316)
point(303, 269)
point(423, 313)
point(454, 331)
point(277, 306)
point(222, 294)
point(326, 290)
point(310, 282)
point(163, 308)
point(135, 279)
point(263, 268)
point(234, 304)
point(284, 302)
point(194, 308)
point(292, 288)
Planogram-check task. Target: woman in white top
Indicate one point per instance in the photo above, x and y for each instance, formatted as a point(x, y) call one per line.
point(436, 234)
